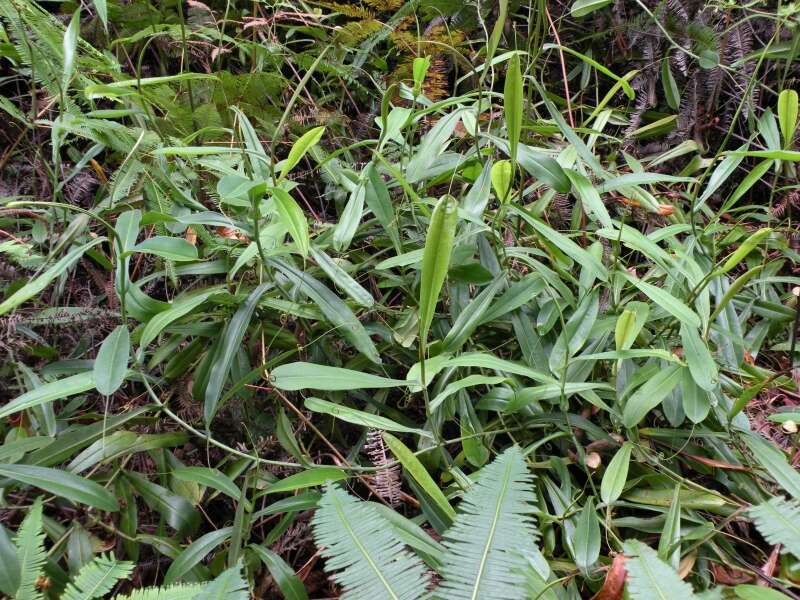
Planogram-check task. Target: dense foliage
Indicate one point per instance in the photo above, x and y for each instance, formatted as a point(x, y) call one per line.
point(399, 299)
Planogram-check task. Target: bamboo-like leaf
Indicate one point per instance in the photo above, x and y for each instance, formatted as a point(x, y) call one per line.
point(512, 105)
point(698, 357)
point(417, 471)
point(62, 484)
point(787, 115)
point(359, 417)
point(38, 284)
point(436, 260)
point(232, 338)
point(303, 375)
point(774, 461)
point(111, 364)
point(293, 218)
point(300, 148)
point(650, 395)
point(616, 474)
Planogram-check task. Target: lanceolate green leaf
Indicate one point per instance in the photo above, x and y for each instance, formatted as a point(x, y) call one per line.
point(359, 417)
point(581, 8)
point(62, 484)
point(194, 553)
point(232, 337)
point(55, 390)
point(512, 104)
point(334, 309)
point(417, 471)
point(436, 260)
point(616, 474)
point(299, 148)
point(293, 218)
point(306, 479)
point(288, 582)
point(787, 115)
point(181, 306)
point(774, 461)
point(303, 375)
point(650, 395)
point(39, 283)
point(111, 363)
point(587, 536)
point(171, 248)
point(667, 301)
point(698, 357)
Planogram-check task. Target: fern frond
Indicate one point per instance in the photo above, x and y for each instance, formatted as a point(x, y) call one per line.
point(96, 578)
point(182, 591)
point(228, 585)
point(30, 552)
point(650, 578)
point(358, 545)
point(779, 522)
point(494, 532)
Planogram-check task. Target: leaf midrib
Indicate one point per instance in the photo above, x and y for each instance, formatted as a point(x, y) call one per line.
point(492, 529)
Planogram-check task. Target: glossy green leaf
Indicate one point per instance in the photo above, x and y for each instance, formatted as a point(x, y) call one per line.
point(787, 115)
point(303, 375)
point(39, 283)
point(208, 477)
point(667, 301)
point(630, 324)
point(436, 260)
point(590, 198)
point(671, 93)
point(774, 461)
point(334, 309)
point(111, 364)
point(586, 541)
point(55, 390)
point(745, 248)
point(176, 510)
point(62, 484)
point(418, 473)
point(650, 395)
point(512, 104)
point(581, 8)
point(171, 248)
point(194, 553)
point(300, 148)
point(359, 417)
point(701, 364)
point(351, 217)
point(616, 474)
point(342, 279)
point(231, 340)
point(306, 479)
point(70, 47)
point(289, 583)
point(669, 549)
point(180, 306)
point(293, 218)
point(502, 175)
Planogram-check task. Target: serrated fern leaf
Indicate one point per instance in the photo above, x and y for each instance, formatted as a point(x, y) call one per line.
point(360, 548)
point(96, 578)
point(494, 532)
point(173, 592)
point(779, 522)
point(30, 553)
point(650, 578)
point(228, 585)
